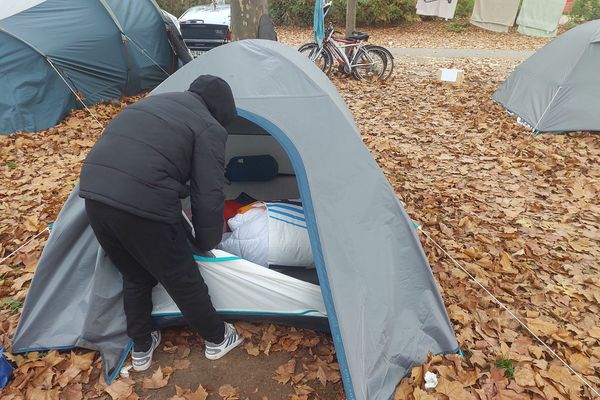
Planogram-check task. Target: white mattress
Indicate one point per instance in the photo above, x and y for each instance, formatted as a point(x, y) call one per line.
point(240, 287)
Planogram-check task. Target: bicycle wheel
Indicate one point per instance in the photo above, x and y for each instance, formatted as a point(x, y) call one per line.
point(368, 64)
point(389, 60)
point(319, 55)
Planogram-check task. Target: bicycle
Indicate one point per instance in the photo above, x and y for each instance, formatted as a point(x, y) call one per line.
point(350, 53)
point(352, 57)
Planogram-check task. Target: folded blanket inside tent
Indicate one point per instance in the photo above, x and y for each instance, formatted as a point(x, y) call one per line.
point(270, 233)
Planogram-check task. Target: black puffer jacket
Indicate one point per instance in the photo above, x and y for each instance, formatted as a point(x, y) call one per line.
point(145, 157)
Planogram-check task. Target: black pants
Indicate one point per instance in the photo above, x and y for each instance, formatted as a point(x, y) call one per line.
point(147, 252)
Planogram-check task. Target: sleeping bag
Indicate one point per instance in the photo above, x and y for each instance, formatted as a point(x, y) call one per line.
point(270, 233)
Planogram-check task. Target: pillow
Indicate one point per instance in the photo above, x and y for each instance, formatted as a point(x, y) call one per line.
point(252, 168)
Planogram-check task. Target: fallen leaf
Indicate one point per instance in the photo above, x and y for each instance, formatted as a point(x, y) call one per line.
point(285, 371)
point(199, 394)
point(580, 363)
point(156, 381)
point(181, 364)
point(120, 389)
point(252, 349)
point(453, 389)
point(524, 376)
point(72, 392)
point(228, 392)
point(420, 394)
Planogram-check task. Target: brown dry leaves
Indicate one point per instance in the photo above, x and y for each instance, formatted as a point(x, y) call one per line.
point(187, 394)
point(228, 392)
point(427, 34)
point(313, 355)
point(519, 212)
point(157, 380)
point(38, 172)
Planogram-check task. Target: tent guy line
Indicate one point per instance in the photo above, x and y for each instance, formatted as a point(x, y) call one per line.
point(75, 93)
point(135, 52)
point(145, 53)
point(459, 265)
point(23, 245)
point(535, 128)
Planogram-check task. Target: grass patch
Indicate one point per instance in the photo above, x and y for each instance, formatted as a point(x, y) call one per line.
point(11, 165)
point(458, 27)
point(11, 304)
point(508, 367)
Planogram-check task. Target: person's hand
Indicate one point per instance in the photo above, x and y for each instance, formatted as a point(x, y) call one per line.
point(206, 254)
point(201, 253)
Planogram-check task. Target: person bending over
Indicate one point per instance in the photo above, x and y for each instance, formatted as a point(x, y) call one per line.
point(133, 181)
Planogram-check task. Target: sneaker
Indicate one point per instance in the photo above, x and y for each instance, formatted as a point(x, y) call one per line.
point(231, 340)
point(141, 360)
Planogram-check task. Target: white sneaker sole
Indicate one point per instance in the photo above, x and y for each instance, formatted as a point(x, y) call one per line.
point(224, 352)
point(142, 367)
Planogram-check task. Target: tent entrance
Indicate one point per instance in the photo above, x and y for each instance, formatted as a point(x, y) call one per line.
point(248, 139)
point(243, 290)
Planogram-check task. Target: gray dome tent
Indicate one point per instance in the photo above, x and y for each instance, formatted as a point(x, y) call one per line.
point(558, 88)
point(376, 291)
point(101, 49)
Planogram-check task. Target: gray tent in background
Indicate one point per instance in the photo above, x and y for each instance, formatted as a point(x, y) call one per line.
point(376, 290)
point(558, 88)
point(101, 49)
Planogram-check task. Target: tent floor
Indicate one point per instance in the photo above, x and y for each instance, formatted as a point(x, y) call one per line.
point(303, 322)
point(304, 274)
point(252, 375)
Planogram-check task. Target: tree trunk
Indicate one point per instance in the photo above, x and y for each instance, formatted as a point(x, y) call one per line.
point(245, 15)
point(350, 17)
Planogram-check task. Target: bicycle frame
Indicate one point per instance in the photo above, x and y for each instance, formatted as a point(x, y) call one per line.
point(339, 51)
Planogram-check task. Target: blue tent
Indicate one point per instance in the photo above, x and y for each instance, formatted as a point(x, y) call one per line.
point(99, 49)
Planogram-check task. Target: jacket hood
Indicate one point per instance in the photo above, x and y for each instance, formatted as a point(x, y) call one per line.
point(218, 97)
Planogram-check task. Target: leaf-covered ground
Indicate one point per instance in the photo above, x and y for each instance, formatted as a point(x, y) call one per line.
point(429, 34)
point(521, 213)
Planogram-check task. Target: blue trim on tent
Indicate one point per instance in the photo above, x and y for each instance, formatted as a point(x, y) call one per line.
point(315, 241)
point(455, 351)
point(115, 373)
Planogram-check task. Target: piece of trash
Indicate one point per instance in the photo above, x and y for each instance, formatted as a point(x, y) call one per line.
point(125, 371)
point(452, 75)
point(430, 380)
